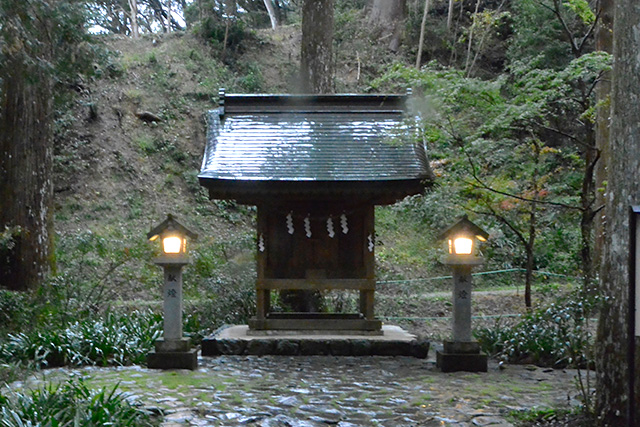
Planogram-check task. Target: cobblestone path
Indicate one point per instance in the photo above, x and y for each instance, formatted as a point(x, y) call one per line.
point(341, 391)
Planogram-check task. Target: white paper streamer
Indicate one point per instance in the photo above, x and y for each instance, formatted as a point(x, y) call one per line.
point(290, 228)
point(261, 243)
point(330, 229)
point(343, 224)
point(307, 226)
point(371, 245)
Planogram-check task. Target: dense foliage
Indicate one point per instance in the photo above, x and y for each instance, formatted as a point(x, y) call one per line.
point(558, 335)
point(71, 403)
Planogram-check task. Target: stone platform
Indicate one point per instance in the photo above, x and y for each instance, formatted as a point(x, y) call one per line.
point(239, 340)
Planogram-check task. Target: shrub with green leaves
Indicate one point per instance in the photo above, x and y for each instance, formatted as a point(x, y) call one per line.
point(115, 339)
point(558, 335)
point(71, 404)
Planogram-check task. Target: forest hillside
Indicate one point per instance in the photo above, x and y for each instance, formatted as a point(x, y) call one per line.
point(129, 141)
point(102, 133)
point(503, 97)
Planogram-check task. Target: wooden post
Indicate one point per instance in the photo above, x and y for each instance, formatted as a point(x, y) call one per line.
point(262, 295)
point(367, 300)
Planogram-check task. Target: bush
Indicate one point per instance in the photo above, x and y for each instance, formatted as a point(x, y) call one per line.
point(556, 336)
point(70, 404)
point(13, 309)
point(116, 339)
point(213, 29)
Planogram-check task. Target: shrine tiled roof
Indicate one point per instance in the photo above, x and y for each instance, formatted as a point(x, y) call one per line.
point(320, 138)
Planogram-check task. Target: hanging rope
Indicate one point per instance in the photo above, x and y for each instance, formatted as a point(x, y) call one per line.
point(482, 273)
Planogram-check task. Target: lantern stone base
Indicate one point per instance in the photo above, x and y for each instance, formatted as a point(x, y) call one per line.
point(167, 346)
point(461, 356)
point(173, 354)
point(173, 360)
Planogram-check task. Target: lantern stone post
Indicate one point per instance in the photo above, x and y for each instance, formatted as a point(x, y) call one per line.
point(462, 353)
point(172, 351)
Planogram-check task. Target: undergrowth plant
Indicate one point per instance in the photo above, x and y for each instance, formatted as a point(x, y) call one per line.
point(558, 335)
point(113, 339)
point(71, 404)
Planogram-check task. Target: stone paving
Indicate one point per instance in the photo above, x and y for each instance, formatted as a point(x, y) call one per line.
point(322, 391)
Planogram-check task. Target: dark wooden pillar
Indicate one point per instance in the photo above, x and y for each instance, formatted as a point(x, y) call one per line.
point(367, 300)
point(263, 295)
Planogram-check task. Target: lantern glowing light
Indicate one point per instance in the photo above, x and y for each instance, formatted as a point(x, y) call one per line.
point(172, 245)
point(461, 246)
point(173, 236)
point(462, 238)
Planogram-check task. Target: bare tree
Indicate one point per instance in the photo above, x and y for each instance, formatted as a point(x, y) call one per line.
point(422, 30)
point(273, 16)
point(467, 68)
point(133, 16)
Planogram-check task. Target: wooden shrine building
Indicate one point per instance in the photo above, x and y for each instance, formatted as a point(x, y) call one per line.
point(315, 166)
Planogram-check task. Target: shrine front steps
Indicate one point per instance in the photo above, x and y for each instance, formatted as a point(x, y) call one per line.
point(239, 340)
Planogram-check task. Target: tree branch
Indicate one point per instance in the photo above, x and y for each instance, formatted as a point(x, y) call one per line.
point(556, 11)
point(590, 30)
point(482, 185)
point(506, 222)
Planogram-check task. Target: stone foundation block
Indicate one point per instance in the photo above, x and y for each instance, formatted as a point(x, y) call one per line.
point(287, 347)
point(168, 346)
point(231, 346)
point(210, 347)
point(462, 347)
point(314, 348)
point(420, 348)
point(454, 362)
point(260, 347)
point(173, 360)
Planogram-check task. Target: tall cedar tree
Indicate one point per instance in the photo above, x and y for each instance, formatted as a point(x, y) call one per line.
point(26, 152)
point(623, 190)
point(388, 17)
point(39, 42)
point(316, 73)
point(316, 63)
point(604, 43)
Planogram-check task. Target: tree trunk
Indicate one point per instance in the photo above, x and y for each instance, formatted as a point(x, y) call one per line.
point(316, 72)
point(587, 200)
point(230, 9)
point(272, 14)
point(26, 190)
point(133, 16)
point(388, 16)
point(422, 29)
point(528, 277)
point(470, 41)
point(167, 22)
point(450, 16)
point(623, 190)
point(316, 64)
point(604, 43)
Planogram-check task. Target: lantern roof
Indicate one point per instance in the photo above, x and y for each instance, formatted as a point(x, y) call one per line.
point(170, 224)
point(464, 226)
point(260, 146)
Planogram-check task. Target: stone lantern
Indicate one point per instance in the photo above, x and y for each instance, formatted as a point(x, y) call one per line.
point(172, 351)
point(462, 353)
